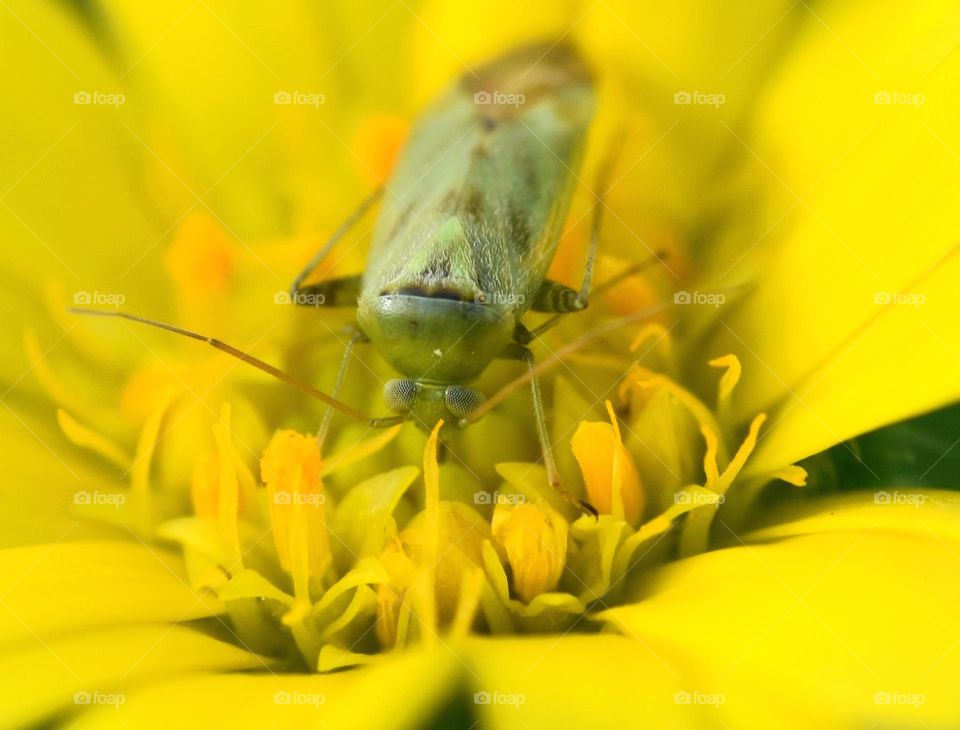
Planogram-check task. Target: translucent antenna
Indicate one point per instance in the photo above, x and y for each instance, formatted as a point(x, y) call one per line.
point(244, 357)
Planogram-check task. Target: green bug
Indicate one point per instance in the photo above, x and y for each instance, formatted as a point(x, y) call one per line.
point(461, 251)
point(472, 217)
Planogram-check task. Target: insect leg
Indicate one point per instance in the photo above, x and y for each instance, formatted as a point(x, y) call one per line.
point(603, 186)
point(517, 352)
point(351, 221)
point(554, 297)
point(524, 335)
point(559, 298)
point(340, 292)
point(357, 336)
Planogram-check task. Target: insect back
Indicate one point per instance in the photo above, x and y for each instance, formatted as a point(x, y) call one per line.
point(470, 225)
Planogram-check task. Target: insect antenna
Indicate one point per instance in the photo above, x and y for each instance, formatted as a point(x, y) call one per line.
point(244, 357)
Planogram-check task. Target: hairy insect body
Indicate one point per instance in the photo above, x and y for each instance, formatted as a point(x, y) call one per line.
point(475, 210)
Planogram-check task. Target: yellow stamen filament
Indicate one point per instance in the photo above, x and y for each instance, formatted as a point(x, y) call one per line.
point(793, 474)
point(643, 378)
point(142, 460)
point(89, 439)
point(471, 589)
point(427, 591)
point(228, 498)
point(359, 451)
point(728, 381)
point(660, 336)
point(57, 391)
point(696, 530)
point(616, 475)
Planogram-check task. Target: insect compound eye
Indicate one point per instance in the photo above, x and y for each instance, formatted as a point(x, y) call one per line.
point(462, 401)
point(399, 394)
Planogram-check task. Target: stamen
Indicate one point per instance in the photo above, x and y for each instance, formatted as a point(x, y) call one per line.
point(142, 460)
point(534, 538)
point(87, 438)
point(228, 498)
point(431, 480)
point(609, 471)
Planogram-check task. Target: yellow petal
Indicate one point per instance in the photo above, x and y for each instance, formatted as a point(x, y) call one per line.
point(72, 154)
point(848, 627)
point(224, 700)
point(852, 324)
point(65, 674)
point(41, 479)
point(337, 700)
point(250, 584)
point(575, 681)
point(52, 589)
point(363, 521)
point(222, 81)
point(682, 71)
point(891, 509)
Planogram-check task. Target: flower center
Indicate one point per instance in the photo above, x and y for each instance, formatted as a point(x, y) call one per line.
point(314, 563)
point(395, 560)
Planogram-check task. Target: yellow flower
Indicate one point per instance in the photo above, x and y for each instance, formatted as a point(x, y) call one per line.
point(796, 163)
